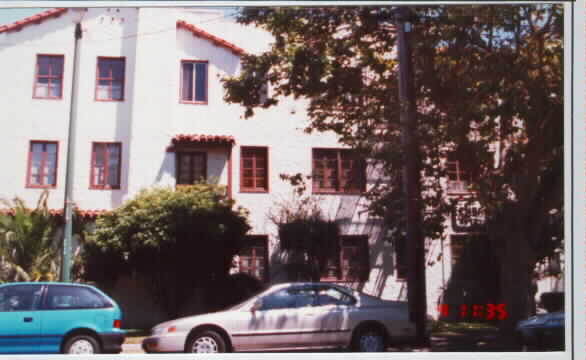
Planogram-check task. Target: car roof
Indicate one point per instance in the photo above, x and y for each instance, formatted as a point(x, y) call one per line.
point(308, 283)
point(44, 283)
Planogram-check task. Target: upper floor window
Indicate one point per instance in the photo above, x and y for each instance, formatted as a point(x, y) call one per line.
point(105, 169)
point(49, 77)
point(338, 171)
point(254, 169)
point(191, 167)
point(110, 79)
point(194, 82)
point(458, 177)
point(42, 164)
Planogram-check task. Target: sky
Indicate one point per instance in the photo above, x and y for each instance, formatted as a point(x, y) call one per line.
point(11, 15)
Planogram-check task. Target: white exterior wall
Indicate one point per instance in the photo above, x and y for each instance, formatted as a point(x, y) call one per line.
point(151, 114)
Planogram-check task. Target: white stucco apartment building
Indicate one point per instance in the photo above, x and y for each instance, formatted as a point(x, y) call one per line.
point(150, 111)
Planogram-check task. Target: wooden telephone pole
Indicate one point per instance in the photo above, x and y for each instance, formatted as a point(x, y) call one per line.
point(416, 293)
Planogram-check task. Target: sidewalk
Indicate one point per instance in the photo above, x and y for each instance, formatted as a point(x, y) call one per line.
point(457, 337)
point(132, 349)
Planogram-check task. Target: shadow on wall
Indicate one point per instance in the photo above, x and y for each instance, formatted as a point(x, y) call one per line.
point(124, 109)
point(139, 309)
point(167, 168)
point(141, 312)
point(380, 253)
point(474, 278)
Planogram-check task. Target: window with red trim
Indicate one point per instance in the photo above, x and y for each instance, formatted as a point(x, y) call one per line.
point(254, 169)
point(49, 77)
point(338, 171)
point(42, 165)
point(110, 79)
point(106, 164)
point(461, 170)
point(348, 262)
point(194, 82)
point(253, 256)
point(191, 167)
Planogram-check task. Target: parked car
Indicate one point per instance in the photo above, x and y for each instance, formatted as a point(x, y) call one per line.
point(542, 332)
point(56, 317)
point(290, 316)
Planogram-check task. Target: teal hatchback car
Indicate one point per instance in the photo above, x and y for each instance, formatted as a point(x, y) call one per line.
point(56, 317)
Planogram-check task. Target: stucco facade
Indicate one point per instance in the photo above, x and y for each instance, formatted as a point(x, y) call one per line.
point(151, 115)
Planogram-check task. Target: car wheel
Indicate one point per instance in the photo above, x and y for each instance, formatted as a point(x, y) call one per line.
point(81, 344)
point(370, 340)
point(207, 342)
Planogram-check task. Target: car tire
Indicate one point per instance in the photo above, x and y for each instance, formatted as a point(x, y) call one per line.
point(81, 344)
point(206, 342)
point(369, 340)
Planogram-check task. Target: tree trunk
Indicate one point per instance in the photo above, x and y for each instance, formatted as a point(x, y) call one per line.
point(516, 268)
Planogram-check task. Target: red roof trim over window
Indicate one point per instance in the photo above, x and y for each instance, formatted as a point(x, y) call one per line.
point(214, 39)
point(190, 139)
point(35, 19)
point(86, 214)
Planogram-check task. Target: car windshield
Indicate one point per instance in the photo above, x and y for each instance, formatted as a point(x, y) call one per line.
point(244, 302)
point(369, 296)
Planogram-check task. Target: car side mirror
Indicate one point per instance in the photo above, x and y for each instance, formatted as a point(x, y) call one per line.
point(256, 306)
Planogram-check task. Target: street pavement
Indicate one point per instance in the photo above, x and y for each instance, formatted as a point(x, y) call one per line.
point(132, 349)
point(480, 341)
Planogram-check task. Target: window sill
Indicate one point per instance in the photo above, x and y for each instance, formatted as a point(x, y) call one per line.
point(104, 187)
point(194, 102)
point(109, 100)
point(254, 191)
point(47, 98)
point(28, 186)
point(325, 192)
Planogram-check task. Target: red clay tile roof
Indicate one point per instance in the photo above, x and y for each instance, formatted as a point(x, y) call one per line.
point(214, 39)
point(92, 214)
point(35, 19)
point(191, 139)
point(86, 214)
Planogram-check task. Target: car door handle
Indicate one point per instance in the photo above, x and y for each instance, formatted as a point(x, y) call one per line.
point(28, 319)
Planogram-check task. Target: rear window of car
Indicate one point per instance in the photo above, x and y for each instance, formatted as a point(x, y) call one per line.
point(74, 297)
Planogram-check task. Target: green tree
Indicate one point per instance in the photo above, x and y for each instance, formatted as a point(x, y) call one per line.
point(507, 117)
point(488, 84)
point(175, 239)
point(29, 247)
point(306, 237)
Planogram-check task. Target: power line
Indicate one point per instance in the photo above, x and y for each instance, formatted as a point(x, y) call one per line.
point(129, 36)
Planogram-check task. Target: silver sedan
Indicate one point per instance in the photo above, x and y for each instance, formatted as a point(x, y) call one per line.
point(291, 316)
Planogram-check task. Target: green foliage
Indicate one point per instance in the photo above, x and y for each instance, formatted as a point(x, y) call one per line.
point(488, 83)
point(306, 237)
point(174, 238)
point(29, 248)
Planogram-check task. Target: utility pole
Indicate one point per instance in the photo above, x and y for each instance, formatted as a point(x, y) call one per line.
point(416, 294)
point(77, 15)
